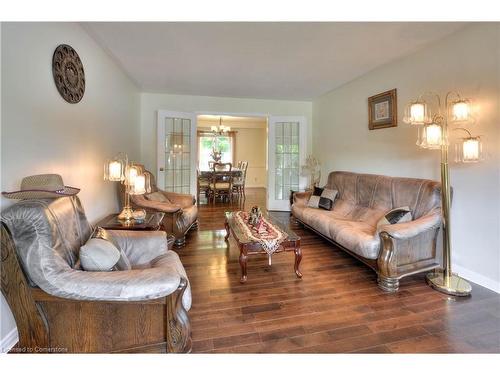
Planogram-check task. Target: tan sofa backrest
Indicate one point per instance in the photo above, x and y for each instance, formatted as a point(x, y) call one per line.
point(384, 193)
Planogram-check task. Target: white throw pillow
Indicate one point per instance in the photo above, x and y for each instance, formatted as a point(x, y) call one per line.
point(98, 255)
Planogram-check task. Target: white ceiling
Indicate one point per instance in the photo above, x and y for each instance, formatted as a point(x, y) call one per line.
point(258, 60)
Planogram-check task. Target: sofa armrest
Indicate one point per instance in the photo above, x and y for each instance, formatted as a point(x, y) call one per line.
point(182, 200)
point(113, 286)
point(408, 230)
point(301, 198)
point(141, 201)
point(140, 247)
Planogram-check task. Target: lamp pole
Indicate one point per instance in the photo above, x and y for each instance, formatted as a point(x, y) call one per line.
point(444, 280)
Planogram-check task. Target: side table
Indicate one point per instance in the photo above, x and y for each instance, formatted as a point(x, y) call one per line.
point(152, 222)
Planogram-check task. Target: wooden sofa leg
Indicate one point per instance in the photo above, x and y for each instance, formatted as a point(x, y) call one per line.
point(388, 284)
point(178, 326)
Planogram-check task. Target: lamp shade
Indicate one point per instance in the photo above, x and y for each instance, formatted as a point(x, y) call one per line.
point(417, 113)
point(469, 150)
point(141, 184)
point(114, 169)
point(430, 136)
point(460, 111)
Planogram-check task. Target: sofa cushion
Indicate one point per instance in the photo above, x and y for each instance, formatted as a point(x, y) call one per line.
point(357, 236)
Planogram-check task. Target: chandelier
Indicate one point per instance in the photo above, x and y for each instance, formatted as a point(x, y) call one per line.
point(219, 130)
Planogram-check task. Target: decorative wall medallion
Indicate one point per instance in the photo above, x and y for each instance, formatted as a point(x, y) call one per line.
point(69, 77)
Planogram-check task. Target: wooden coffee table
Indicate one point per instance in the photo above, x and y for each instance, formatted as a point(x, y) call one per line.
point(249, 246)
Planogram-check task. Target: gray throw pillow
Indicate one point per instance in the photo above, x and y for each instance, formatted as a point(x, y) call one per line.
point(98, 255)
point(123, 263)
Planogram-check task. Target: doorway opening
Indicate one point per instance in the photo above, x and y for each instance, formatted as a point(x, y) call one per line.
point(239, 140)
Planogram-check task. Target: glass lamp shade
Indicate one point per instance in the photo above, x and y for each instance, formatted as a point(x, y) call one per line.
point(460, 111)
point(114, 169)
point(469, 150)
point(430, 137)
point(131, 173)
point(141, 184)
point(417, 113)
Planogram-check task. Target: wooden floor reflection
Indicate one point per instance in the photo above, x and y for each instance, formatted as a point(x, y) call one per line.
point(335, 308)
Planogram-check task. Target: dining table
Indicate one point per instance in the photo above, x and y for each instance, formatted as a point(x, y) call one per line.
point(208, 173)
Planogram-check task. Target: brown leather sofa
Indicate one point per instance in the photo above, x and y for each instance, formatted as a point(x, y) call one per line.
point(393, 251)
point(181, 212)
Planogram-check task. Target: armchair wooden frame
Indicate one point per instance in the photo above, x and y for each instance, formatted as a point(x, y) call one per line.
point(49, 324)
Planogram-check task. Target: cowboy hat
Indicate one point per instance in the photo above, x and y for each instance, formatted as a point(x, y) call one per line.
point(42, 186)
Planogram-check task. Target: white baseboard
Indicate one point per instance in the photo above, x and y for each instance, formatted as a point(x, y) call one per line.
point(477, 278)
point(9, 341)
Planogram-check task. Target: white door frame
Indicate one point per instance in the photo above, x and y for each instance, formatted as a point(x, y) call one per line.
point(160, 139)
point(284, 204)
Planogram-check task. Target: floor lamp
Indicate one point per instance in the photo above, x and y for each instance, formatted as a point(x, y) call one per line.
point(433, 133)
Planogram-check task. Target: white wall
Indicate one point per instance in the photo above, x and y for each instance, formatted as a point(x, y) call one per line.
point(151, 103)
point(41, 133)
point(468, 61)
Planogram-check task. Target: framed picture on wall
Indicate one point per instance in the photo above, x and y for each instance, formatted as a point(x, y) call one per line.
point(383, 110)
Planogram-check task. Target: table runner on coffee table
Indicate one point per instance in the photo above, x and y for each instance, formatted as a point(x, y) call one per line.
point(270, 236)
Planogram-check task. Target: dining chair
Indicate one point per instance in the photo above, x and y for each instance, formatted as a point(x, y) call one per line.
point(222, 181)
point(202, 185)
point(239, 182)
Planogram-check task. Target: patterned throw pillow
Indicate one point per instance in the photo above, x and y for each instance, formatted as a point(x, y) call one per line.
point(322, 198)
point(395, 216)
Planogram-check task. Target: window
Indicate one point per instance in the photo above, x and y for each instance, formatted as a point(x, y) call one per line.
point(206, 143)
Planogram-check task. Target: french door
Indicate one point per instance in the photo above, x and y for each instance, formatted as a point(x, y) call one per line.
point(176, 161)
point(287, 152)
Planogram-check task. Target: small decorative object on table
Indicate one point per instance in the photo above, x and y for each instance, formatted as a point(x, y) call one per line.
point(139, 215)
point(312, 169)
point(255, 216)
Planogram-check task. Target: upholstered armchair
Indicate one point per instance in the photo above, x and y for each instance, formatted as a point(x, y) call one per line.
point(181, 212)
point(60, 307)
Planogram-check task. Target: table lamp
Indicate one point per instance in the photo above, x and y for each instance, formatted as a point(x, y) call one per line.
point(133, 178)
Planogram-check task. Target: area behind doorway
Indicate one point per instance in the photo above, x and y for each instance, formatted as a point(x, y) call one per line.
point(246, 140)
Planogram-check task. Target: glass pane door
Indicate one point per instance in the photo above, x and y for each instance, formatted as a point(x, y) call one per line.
point(287, 159)
point(287, 136)
point(177, 154)
point(176, 150)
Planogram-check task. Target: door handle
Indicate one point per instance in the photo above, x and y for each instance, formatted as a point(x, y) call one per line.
point(162, 169)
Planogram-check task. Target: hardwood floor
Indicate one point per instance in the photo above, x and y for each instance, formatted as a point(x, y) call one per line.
point(335, 308)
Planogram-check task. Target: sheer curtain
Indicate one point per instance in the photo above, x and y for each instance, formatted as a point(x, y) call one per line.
point(227, 144)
